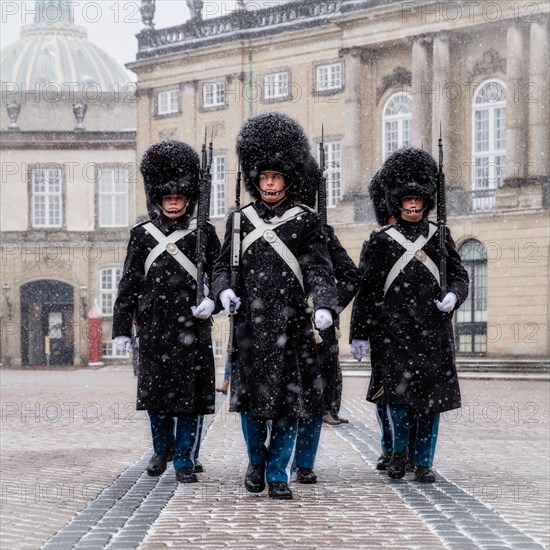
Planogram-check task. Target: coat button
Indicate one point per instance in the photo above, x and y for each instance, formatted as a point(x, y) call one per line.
point(282, 290)
point(294, 236)
point(251, 272)
point(163, 297)
point(284, 273)
point(157, 280)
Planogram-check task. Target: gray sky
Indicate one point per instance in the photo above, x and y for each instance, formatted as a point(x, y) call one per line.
point(111, 24)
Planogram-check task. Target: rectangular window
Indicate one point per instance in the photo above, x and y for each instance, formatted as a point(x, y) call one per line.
point(219, 184)
point(333, 172)
point(213, 94)
point(108, 286)
point(46, 197)
point(218, 348)
point(109, 350)
point(168, 102)
point(113, 197)
point(275, 85)
point(328, 77)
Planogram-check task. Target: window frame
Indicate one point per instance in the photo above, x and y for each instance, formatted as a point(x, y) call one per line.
point(215, 104)
point(112, 292)
point(169, 111)
point(33, 194)
point(400, 119)
point(333, 197)
point(112, 193)
point(328, 89)
point(280, 96)
point(218, 194)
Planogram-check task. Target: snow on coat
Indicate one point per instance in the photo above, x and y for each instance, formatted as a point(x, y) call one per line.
point(277, 372)
point(176, 363)
point(412, 342)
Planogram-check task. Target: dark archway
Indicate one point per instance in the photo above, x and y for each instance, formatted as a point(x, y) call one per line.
point(47, 310)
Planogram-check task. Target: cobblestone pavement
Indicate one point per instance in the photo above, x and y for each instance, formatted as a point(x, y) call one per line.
point(74, 450)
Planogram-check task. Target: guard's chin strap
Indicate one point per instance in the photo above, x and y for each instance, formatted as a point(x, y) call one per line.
point(272, 193)
point(412, 210)
point(180, 211)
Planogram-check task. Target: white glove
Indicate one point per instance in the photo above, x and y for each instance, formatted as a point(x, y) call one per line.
point(204, 309)
point(227, 297)
point(123, 343)
point(323, 319)
point(359, 348)
point(448, 303)
point(206, 290)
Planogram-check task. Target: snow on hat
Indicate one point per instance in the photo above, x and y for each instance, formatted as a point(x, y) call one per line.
point(409, 172)
point(170, 167)
point(272, 142)
point(307, 192)
point(377, 195)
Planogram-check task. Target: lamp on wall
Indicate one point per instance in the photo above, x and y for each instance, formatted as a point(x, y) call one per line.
point(6, 291)
point(83, 300)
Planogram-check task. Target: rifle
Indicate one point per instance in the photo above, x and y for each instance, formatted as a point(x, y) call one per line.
point(441, 219)
point(205, 188)
point(235, 259)
point(322, 185)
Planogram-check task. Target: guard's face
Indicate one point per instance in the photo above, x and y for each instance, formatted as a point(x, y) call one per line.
point(412, 209)
point(272, 186)
point(173, 206)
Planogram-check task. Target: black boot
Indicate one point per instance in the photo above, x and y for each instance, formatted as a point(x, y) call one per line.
point(199, 468)
point(397, 465)
point(254, 480)
point(306, 476)
point(280, 490)
point(383, 460)
point(424, 475)
point(186, 475)
point(159, 461)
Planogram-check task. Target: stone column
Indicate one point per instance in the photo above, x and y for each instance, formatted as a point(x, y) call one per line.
point(516, 106)
point(538, 92)
point(422, 94)
point(351, 154)
point(441, 106)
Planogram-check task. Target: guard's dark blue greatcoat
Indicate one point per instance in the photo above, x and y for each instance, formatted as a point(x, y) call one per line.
point(176, 363)
point(277, 373)
point(412, 341)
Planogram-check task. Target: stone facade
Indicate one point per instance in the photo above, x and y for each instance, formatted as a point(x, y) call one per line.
point(438, 54)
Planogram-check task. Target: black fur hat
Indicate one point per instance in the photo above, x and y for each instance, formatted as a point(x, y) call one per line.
point(307, 192)
point(272, 141)
point(409, 172)
point(377, 195)
point(170, 168)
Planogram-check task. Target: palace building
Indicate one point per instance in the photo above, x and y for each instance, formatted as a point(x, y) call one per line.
point(371, 76)
point(67, 190)
point(365, 77)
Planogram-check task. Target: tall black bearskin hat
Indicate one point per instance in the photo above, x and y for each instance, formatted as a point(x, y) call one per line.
point(170, 168)
point(272, 141)
point(377, 195)
point(409, 172)
point(307, 192)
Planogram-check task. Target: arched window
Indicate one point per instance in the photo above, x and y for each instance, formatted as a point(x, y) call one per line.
point(488, 142)
point(397, 123)
point(471, 318)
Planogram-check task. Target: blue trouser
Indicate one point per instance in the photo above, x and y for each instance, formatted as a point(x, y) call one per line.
point(427, 428)
point(272, 442)
point(385, 427)
point(307, 441)
point(181, 433)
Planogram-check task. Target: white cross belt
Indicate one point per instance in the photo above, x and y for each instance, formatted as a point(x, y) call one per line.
point(413, 251)
point(266, 230)
point(167, 243)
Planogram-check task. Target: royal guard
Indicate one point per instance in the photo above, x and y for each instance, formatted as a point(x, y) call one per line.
point(400, 311)
point(158, 290)
point(282, 260)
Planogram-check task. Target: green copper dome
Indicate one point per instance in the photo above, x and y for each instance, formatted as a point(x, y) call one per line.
point(55, 50)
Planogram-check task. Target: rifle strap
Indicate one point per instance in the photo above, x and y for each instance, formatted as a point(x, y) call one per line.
point(166, 243)
point(266, 230)
point(413, 251)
